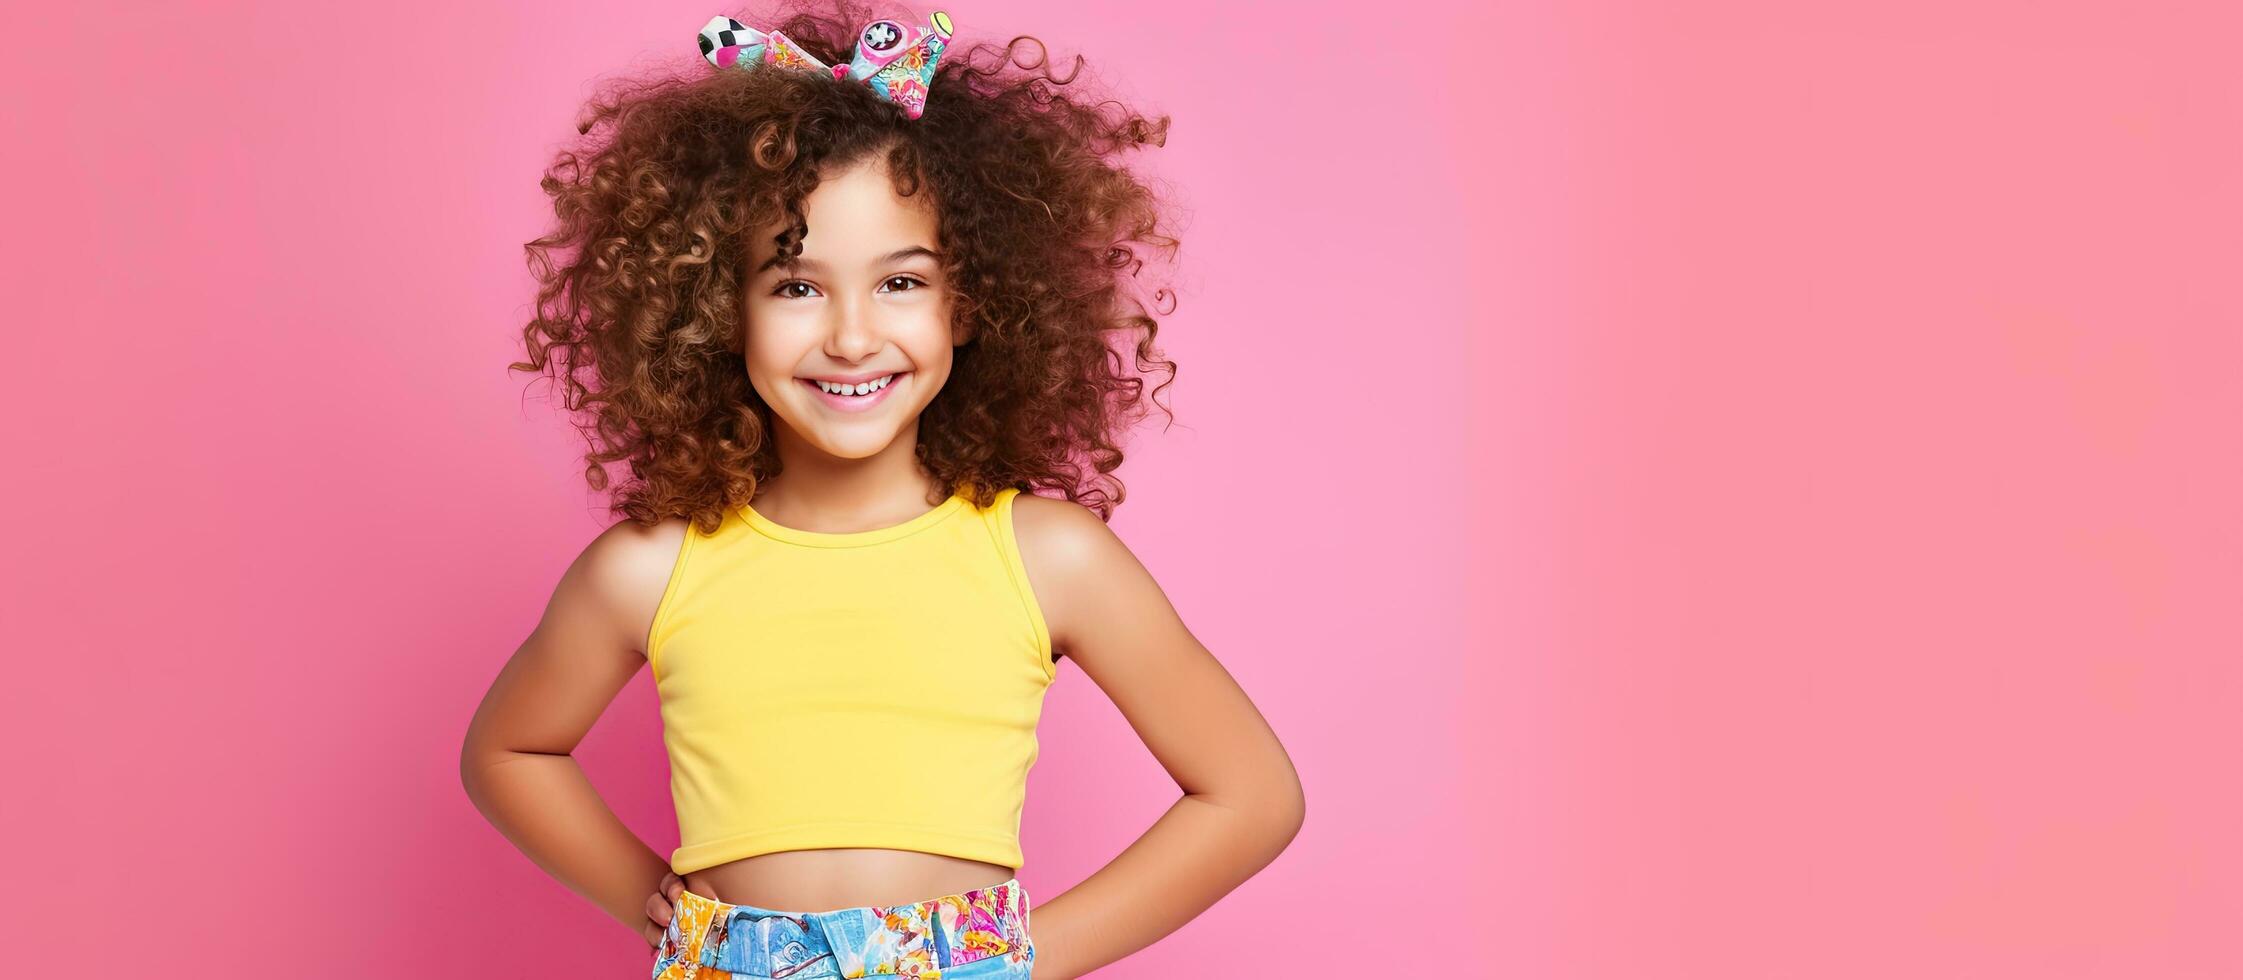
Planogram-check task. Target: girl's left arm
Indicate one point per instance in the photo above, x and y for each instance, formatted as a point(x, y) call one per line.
point(1242, 801)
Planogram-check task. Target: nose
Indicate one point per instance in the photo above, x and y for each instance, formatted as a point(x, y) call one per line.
point(852, 335)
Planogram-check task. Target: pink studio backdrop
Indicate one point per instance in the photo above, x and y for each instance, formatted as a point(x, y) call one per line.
point(1703, 490)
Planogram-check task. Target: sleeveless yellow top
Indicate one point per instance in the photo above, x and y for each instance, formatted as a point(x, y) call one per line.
point(870, 689)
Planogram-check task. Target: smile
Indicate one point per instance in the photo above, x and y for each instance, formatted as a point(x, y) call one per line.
point(847, 398)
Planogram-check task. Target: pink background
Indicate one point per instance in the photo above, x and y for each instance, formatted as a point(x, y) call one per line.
point(1703, 490)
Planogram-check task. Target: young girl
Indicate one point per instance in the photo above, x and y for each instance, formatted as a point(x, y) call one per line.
point(837, 298)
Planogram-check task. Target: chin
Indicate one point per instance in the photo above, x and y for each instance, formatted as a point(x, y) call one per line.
point(854, 445)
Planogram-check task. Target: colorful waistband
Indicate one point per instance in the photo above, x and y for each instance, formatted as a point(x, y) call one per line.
point(921, 939)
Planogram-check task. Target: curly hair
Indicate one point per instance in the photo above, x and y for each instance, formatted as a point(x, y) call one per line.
point(1045, 237)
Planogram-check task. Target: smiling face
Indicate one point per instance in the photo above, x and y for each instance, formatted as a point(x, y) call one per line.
point(863, 306)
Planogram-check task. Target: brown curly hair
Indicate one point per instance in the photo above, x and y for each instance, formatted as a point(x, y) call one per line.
point(1045, 239)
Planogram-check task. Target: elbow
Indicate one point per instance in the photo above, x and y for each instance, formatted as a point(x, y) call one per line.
point(468, 769)
point(1275, 820)
point(1289, 813)
point(1275, 807)
point(475, 761)
point(1278, 812)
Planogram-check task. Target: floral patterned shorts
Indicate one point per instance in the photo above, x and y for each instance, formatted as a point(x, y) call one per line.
point(977, 935)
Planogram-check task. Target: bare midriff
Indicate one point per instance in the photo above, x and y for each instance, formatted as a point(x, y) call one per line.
point(824, 879)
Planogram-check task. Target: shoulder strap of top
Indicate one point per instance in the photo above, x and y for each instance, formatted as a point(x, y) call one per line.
point(1008, 541)
point(659, 629)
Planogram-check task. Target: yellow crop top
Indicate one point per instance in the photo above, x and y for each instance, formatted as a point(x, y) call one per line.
point(869, 689)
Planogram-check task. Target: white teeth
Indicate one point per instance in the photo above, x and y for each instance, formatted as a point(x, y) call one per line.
point(858, 389)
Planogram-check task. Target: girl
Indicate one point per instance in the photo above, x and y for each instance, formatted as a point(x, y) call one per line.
point(837, 299)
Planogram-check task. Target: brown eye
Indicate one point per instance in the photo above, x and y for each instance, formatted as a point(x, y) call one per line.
point(907, 279)
point(781, 289)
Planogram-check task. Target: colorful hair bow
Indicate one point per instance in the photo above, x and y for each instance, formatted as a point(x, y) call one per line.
point(897, 60)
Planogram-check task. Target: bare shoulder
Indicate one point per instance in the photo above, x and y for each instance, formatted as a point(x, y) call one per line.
point(625, 570)
point(1069, 553)
point(1061, 532)
point(585, 646)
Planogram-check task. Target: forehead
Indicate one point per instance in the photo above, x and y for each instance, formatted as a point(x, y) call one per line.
point(856, 214)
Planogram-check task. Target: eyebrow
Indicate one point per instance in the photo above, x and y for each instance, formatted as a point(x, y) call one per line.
point(816, 266)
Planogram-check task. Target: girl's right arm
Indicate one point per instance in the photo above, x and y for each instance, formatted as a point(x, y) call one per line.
point(515, 762)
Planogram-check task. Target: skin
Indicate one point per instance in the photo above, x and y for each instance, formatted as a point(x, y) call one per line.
point(845, 310)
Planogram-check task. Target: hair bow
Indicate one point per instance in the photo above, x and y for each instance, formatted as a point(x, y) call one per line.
point(897, 60)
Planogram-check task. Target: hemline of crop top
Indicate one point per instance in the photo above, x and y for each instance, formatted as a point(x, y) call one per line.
point(875, 688)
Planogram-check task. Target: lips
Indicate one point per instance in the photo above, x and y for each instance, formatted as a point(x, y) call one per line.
point(854, 379)
point(855, 403)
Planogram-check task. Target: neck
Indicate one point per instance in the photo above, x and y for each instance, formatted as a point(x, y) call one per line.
point(816, 490)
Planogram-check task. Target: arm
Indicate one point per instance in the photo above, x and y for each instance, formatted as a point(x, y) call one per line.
point(515, 762)
point(1242, 801)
